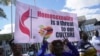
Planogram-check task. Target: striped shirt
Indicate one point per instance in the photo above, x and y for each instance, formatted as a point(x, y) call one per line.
point(86, 49)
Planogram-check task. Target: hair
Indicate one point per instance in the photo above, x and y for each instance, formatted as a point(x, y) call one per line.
point(32, 47)
point(16, 48)
point(83, 35)
point(57, 47)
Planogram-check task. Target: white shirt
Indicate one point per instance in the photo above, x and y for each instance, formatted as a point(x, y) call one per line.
point(95, 40)
point(96, 43)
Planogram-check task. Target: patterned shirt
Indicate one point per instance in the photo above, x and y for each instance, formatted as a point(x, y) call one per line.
point(86, 49)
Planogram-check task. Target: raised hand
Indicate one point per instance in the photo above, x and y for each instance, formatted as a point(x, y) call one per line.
point(65, 41)
point(44, 40)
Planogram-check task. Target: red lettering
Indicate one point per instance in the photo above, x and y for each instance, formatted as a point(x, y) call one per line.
point(52, 16)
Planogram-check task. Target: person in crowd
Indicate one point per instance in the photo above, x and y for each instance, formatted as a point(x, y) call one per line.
point(96, 42)
point(57, 49)
point(16, 49)
point(32, 50)
point(85, 48)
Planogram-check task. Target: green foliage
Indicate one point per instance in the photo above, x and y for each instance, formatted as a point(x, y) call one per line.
point(6, 3)
point(5, 37)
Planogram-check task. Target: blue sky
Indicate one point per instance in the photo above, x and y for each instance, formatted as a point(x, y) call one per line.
point(88, 8)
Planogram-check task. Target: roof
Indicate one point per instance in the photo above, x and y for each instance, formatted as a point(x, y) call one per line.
point(81, 18)
point(91, 21)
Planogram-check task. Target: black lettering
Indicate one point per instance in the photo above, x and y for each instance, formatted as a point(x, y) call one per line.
point(52, 22)
point(62, 23)
point(70, 29)
point(61, 34)
point(70, 34)
point(63, 28)
point(57, 22)
point(71, 24)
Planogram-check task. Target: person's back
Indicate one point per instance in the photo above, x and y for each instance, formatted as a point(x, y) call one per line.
point(86, 49)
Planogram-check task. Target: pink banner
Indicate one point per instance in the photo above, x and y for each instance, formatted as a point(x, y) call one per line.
point(33, 24)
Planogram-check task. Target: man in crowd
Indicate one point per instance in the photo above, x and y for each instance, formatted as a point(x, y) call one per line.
point(85, 48)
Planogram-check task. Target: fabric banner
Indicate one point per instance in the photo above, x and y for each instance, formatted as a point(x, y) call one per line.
point(33, 24)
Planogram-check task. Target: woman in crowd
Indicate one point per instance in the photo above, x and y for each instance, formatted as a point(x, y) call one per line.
point(57, 49)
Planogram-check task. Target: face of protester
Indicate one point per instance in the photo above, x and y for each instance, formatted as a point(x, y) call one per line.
point(57, 47)
point(16, 49)
point(84, 36)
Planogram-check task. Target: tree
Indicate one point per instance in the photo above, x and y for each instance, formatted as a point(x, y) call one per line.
point(5, 2)
point(2, 14)
point(5, 37)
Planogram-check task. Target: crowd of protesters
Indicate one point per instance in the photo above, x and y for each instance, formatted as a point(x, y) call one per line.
point(60, 47)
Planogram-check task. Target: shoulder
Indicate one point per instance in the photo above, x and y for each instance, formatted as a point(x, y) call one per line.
point(81, 44)
point(94, 37)
point(90, 50)
point(88, 45)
